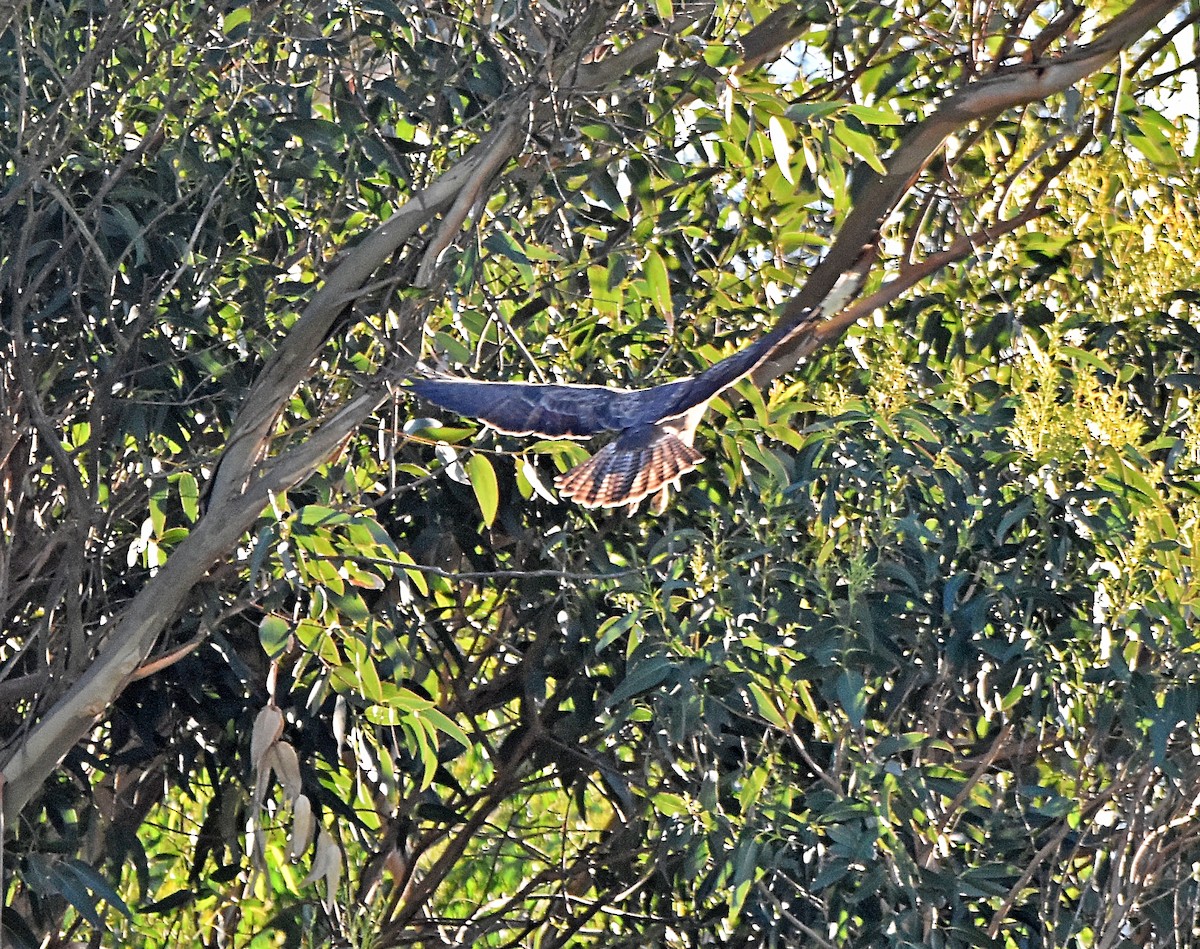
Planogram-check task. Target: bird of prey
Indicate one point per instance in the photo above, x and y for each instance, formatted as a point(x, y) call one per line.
point(655, 427)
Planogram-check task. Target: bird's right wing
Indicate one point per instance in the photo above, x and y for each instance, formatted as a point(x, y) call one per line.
point(676, 398)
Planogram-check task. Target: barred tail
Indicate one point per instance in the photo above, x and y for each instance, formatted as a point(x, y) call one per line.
point(617, 476)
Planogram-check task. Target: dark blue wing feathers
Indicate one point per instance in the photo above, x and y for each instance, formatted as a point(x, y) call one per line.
point(578, 411)
point(519, 408)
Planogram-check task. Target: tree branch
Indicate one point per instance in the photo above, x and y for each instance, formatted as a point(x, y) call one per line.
point(38, 754)
point(979, 101)
point(289, 365)
point(832, 329)
point(242, 485)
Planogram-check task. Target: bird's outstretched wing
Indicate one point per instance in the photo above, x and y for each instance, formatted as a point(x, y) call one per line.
point(656, 425)
point(528, 408)
point(580, 411)
point(654, 448)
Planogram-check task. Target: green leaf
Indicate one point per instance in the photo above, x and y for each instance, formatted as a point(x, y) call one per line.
point(368, 678)
point(263, 544)
point(274, 632)
point(1019, 512)
point(871, 115)
point(767, 458)
point(68, 885)
point(718, 55)
point(446, 724)
point(169, 902)
point(1095, 360)
point(507, 245)
point(234, 18)
point(671, 805)
point(766, 707)
point(1015, 694)
point(426, 749)
point(613, 628)
point(1120, 473)
point(861, 144)
point(384, 715)
point(745, 871)
point(487, 489)
point(314, 514)
point(782, 147)
point(350, 605)
point(606, 300)
point(752, 787)
point(1153, 142)
point(406, 699)
point(172, 536)
point(189, 496)
point(807, 111)
point(834, 871)
point(645, 676)
point(416, 576)
point(570, 453)
point(660, 286)
point(444, 433)
point(605, 191)
point(158, 517)
point(98, 885)
point(852, 696)
point(388, 9)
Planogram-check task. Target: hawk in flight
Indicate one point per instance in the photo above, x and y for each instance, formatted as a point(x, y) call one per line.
point(655, 427)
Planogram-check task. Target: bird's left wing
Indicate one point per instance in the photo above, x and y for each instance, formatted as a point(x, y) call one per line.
point(551, 411)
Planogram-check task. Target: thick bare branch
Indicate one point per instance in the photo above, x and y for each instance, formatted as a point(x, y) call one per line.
point(132, 637)
point(978, 102)
point(290, 363)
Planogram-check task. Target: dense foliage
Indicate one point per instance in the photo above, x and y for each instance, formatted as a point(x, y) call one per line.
point(910, 661)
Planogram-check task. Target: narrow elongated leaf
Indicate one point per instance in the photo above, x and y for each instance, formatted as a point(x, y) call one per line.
point(660, 287)
point(483, 482)
point(781, 145)
point(416, 576)
point(765, 707)
point(72, 889)
point(446, 724)
point(189, 496)
point(653, 671)
point(99, 886)
point(872, 115)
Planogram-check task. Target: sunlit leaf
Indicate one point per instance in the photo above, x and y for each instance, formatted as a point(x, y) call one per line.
point(274, 633)
point(486, 487)
point(189, 496)
point(782, 147)
point(860, 144)
point(872, 115)
point(416, 576)
point(660, 287)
